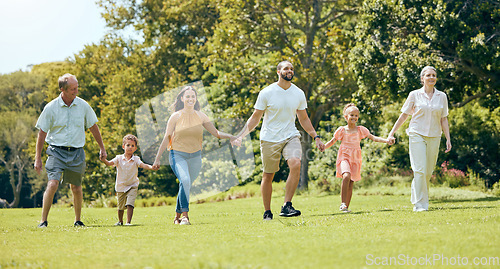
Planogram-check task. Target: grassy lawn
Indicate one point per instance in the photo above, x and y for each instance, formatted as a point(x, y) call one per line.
point(231, 234)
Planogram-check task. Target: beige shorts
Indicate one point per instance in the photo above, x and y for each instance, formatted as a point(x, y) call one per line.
point(126, 198)
point(271, 153)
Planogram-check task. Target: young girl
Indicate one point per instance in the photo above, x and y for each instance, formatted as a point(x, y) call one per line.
point(349, 155)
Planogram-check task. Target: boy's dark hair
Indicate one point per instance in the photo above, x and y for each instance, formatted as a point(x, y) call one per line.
point(130, 137)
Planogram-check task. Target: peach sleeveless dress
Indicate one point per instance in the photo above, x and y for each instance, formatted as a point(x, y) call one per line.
point(349, 155)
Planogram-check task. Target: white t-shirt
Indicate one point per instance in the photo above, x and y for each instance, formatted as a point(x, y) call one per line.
point(426, 113)
point(126, 172)
point(280, 107)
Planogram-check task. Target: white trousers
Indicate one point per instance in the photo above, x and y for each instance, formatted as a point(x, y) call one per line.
point(423, 156)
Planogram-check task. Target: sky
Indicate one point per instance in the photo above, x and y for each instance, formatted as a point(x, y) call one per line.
point(39, 31)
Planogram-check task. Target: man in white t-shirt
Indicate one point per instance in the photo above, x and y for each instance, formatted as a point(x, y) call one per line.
point(280, 103)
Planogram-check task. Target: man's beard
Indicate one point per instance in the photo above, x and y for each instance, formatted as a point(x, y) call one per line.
point(285, 77)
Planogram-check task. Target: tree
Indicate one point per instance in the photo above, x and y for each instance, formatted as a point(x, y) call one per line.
point(16, 133)
point(395, 39)
point(476, 138)
point(120, 74)
point(21, 96)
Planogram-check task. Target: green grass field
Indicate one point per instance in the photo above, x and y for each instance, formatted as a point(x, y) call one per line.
point(231, 234)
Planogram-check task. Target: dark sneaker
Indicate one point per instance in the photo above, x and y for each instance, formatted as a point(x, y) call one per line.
point(288, 211)
point(79, 224)
point(268, 215)
point(43, 224)
point(119, 224)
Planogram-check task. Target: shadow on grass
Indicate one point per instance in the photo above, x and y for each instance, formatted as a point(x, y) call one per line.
point(458, 207)
point(484, 199)
point(112, 226)
point(351, 213)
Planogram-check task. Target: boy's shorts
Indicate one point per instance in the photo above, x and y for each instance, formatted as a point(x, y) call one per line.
point(126, 198)
point(271, 153)
point(70, 164)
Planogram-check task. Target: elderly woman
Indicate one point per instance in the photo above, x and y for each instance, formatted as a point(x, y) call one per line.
point(429, 110)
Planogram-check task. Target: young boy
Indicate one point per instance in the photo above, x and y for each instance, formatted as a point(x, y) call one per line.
point(127, 181)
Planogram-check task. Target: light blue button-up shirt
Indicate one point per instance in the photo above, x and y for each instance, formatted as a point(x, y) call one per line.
point(66, 125)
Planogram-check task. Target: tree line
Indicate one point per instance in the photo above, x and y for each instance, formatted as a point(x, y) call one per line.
point(369, 52)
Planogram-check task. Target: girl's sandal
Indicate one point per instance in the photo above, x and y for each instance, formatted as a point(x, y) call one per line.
point(185, 221)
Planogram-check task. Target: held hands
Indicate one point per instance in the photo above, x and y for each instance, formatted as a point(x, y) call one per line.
point(391, 140)
point(320, 145)
point(102, 155)
point(232, 138)
point(236, 142)
point(156, 165)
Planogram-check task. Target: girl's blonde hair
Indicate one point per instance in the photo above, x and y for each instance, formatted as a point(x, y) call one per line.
point(348, 106)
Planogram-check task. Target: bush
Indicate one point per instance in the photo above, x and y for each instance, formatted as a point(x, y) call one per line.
point(450, 177)
point(155, 201)
point(475, 133)
point(103, 202)
point(247, 190)
point(325, 186)
point(496, 189)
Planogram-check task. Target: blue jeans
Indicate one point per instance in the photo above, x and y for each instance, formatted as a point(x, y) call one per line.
point(186, 167)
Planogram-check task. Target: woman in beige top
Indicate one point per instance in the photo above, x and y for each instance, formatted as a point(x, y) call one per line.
point(183, 137)
point(429, 110)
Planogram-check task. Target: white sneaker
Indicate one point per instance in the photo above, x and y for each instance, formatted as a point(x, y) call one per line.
point(344, 208)
point(419, 209)
point(128, 224)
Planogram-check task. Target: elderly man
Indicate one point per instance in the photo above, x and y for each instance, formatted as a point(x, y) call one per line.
point(62, 125)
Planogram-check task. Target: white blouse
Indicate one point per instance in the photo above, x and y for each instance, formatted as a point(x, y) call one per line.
point(426, 112)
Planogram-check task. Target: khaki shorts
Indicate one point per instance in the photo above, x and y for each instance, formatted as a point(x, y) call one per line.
point(271, 153)
point(126, 198)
